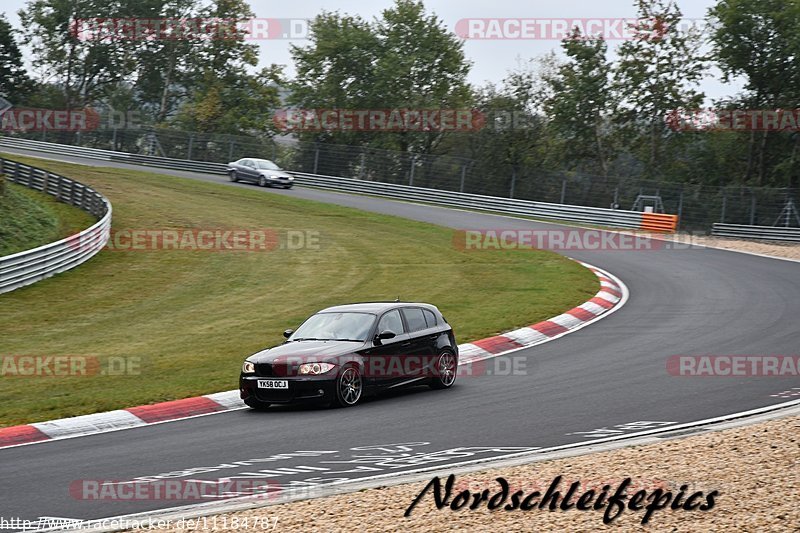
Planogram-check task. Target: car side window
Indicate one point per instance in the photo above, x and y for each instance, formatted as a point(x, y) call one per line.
point(430, 318)
point(391, 321)
point(414, 318)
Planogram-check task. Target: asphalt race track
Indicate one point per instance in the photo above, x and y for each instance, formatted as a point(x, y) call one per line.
point(612, 373)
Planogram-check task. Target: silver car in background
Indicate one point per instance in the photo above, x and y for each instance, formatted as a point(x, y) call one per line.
point(261, 171)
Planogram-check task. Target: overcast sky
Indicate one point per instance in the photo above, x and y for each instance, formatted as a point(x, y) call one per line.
point(492, 59)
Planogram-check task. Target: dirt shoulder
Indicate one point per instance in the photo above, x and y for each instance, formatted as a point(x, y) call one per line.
point(755, 469)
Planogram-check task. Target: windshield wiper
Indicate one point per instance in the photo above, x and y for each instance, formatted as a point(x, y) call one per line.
point(347, 340)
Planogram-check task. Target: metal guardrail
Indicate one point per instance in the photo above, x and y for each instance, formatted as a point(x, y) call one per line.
point(586, 215)
point(30, 266)
point(110, 155)
point(767, 233)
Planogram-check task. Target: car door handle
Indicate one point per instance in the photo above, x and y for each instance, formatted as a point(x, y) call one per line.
point(407, 343)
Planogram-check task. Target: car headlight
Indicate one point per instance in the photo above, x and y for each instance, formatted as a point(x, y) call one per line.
point(315, 368)
point(248, 368)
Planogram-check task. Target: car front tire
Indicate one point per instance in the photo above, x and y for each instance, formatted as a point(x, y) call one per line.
point(232, 176)
point(262, 181)
point(446, 371)
point(349, 387)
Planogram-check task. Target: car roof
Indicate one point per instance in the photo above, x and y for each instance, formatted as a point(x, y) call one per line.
point(375, 307)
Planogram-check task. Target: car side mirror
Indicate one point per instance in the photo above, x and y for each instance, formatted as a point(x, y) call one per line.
point(383, 335)
point(288, 333)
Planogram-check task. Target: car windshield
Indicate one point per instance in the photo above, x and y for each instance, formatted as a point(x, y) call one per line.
point(266, 165)
point(335, 326)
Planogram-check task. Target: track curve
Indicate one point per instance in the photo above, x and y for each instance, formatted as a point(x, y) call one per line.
point(613, 373)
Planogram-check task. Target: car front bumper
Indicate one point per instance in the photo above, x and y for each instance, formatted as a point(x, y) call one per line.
point(301, 389)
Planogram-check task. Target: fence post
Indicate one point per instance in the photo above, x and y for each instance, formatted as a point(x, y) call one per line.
point(680, 210)
point(724, 204)
point(563, 190)
point(463, 176)
point(411, 173)
point(316, 158)
point(513, 182)
point(230, 150)
point(362, 165)
point(752, 207)
point(189, 151)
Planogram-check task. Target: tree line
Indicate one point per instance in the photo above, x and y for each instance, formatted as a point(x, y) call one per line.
point(578, 112)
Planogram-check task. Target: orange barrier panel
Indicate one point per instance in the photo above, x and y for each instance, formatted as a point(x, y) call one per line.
point(659, 223)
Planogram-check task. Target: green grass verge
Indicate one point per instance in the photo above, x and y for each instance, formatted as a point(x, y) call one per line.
point(193, 316)
point(31, 218)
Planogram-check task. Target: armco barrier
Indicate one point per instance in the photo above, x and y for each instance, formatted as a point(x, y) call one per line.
point(586, 215)
point(767, 233)
point(30, 266)
point(573, 213)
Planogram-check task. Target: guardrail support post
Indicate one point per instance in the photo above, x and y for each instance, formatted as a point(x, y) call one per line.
point(724, 204)
point(513, 182)
point(463, 177)
point(411, 172)
point(189, 151)
point(316, 158)
point(752, 208)
point(563, 190)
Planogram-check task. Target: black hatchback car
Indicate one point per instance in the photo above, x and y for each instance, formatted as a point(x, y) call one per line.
point(342, 353)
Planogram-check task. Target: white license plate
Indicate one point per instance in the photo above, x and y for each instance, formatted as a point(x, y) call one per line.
point(273, 384)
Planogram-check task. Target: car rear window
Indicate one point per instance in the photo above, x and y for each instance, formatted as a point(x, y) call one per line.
point(430, 318)
point(414, 318)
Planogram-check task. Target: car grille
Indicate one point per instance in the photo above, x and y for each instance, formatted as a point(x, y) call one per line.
point(270, 370)
point(264, 370)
